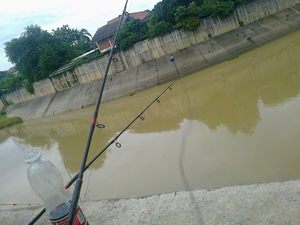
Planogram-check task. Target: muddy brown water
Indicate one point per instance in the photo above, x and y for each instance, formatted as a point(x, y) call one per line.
point(235, 123)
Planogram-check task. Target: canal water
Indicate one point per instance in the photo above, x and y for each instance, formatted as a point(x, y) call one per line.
point(235, 123)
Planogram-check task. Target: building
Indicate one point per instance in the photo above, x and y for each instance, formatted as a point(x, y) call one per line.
point(103, 37)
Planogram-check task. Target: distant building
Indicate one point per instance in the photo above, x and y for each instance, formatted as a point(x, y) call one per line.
point(12, 70)
point(104, 35)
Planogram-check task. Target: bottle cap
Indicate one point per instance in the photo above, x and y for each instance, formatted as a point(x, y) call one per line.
point(31, 156)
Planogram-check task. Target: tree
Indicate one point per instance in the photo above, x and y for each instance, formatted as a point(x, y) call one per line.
point(37, 53)
point(165, 10)
point(159, 29)
point(10, 83)
point(131, 32)
point(215, 7)
point(72, 36)
point(186, 17)
point(2, 74)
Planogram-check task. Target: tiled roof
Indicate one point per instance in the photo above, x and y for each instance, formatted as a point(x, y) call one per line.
point(108, 30)
point(148, 16)
point(137, 15)
point(12, 69)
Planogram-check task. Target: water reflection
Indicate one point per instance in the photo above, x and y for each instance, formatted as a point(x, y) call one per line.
point(244, 114)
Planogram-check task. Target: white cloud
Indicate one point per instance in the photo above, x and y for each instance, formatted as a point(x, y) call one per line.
point(91, 15)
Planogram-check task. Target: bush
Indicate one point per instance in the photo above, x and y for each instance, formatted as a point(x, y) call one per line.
point(5, 122)
point(215, 7)
point(130, 33)
point(190, 23)
point(128, 42)
point(159, 29)
point(2, 111)
point(29, 88)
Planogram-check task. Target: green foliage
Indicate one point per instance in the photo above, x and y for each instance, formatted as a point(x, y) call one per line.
point(38, 53)
point(130, 33)
point(216, 7)
point(2, 111)
point(29, 87)
point(72, 36)
point(128, 42)
point(241, 23)
point(2, 74)
point(186, 17)
point(159, 29)
point(232, 58)
point(183, 12)
point(190, 23)
point(9, 83)
point(5, 122)
point(165, 10)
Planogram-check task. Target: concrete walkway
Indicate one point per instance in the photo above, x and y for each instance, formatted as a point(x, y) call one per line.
point(272, 203)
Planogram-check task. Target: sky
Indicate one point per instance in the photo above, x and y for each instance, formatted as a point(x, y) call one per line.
point(90, 15)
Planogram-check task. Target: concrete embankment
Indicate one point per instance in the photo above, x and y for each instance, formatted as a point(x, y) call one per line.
point(273, 203)
point(133, 79)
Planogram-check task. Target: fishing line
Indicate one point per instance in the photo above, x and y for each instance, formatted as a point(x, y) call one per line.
point(67, 170)
point(109, 144)
point(99, 125)
point(79, 181)
point(186, 131)
point(29, 204)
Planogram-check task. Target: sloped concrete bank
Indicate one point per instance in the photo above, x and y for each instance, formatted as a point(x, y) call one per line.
point(147, 74)
point(272, 203)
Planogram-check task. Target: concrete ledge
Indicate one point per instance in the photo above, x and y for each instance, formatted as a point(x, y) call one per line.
point(272, 203)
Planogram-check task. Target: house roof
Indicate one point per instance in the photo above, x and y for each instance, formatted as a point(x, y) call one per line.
point(108, 30)
point(137, 15)
point(148, 16)
point(111, 27)
point(11, 70)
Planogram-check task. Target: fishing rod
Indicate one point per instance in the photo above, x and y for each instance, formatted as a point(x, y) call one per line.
point(76, 194)
point(108, 145)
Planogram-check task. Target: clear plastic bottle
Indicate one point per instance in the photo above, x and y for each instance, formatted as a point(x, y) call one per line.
point(47, 182)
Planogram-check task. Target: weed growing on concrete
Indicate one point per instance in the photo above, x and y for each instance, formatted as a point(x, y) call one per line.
point(2, 111)
point(6, 122)
point(241, 23)
point(232, 57)
point(209, 35)
point(158, 83)
point(131, 93)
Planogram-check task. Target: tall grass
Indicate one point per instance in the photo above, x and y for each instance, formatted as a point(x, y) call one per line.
point(6, 122)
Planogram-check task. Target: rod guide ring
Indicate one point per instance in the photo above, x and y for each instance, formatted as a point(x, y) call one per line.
point(118, 144)
point(100, 125)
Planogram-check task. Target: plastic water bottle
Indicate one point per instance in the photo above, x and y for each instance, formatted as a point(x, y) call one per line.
point(47, 182)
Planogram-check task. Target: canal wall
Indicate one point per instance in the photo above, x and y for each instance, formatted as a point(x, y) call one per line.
point(148, 62)
point(273, 203)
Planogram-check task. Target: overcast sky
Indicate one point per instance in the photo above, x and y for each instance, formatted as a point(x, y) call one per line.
point(92, 14)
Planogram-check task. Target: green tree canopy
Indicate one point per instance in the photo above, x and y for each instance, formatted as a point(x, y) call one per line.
point(71, 35)
point(10, 82)
point(131, 32)
point(37, 53)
